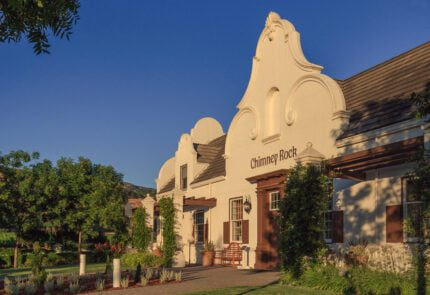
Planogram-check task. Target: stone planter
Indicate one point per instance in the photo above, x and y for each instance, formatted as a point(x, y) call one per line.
point(82, 264)
point(116, 272)
point(208, 258)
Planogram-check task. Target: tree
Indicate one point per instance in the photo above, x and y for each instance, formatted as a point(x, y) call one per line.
point(36, 19)
point(301, 220)
point(92, 199)
point(141, 235)
point(20, 210)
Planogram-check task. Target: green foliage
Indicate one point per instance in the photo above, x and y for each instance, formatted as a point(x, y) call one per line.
point(144, 259)
point(167, 212)
point(36, 20)
point(20, 207)
point(141, 233)
point(7, 239)
point(37, 269)
point(301, 220)
point(422, 102)
point(357, 280)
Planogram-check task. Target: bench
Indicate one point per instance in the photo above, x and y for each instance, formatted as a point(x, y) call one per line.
point(232, 255)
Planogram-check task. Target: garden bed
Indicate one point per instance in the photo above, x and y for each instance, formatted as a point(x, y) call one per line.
point(91, 283)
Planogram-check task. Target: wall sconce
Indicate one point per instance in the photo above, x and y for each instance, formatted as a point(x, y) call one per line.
point(247, 204)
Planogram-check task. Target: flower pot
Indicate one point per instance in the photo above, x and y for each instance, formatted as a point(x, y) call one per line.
point(157, 252)
point(116, 272)
point(82, 264)
point(208, 258)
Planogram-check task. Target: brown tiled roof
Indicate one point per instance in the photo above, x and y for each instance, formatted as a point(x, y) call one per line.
point(379, 96)
point(170, 185)
point(211, 153)
point(135, 203)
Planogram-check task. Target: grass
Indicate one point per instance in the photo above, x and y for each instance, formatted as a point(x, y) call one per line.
point(91, 268)
point(275, 289)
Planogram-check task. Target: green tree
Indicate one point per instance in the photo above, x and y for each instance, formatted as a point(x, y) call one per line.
point(36, 19)
point(167, 212)
point(301, 220)
point(92, 199)
point(141, 234)
point(18, 207)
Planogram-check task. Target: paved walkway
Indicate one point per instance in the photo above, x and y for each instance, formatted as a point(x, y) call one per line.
point(199, 278)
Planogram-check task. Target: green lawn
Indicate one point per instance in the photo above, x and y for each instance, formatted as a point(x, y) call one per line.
point(91, 268)
point(275, 289)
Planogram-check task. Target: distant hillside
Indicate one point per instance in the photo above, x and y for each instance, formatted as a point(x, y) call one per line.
point(137, 191)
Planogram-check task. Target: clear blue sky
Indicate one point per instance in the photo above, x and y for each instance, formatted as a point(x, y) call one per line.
point(137, 74)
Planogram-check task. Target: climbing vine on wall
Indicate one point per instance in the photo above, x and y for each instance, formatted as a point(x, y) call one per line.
point(301, 219)
point(141, 233)
point(167, 212)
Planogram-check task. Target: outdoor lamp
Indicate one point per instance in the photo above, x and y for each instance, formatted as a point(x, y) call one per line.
point(247, 204)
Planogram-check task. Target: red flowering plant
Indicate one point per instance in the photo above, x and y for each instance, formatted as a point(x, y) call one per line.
point(117, 250)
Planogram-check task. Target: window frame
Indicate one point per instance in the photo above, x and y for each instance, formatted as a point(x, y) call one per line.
point(278, 202)
point(236, 223)
point(183, 176)
point(196, 226)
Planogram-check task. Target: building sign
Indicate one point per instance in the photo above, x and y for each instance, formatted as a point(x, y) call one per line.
point(274, 158)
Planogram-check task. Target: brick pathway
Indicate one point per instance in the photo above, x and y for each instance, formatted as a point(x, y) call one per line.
point(203, 279)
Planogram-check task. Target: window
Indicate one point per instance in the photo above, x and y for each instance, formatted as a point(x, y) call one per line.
point(275, 199)
point(184, 181)
point(199, 226)
point(412, 212)
point(156, 227)
point(328, 222)
point(236, 215)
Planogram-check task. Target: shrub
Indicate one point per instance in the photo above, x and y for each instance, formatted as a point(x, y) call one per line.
point(74, 287)
point(60, 282)
point(125, 281)
point(30, 288)
point(357, 280)
point(145, 259)
point(6, 255)
point(178, 276)
point(37, 269)
point(164, 276)
point(100, 284)
point(7, 239)
point(149, 273)
point(144, 281)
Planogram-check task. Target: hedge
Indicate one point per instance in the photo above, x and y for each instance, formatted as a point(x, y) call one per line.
point(357, 280)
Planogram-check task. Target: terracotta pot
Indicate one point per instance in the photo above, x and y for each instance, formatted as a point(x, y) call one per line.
point(208, 258)
point(157, 252)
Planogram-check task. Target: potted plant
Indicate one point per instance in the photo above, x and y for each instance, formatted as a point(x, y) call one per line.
point(117, 250)
point(208, 254)
point(157, 251)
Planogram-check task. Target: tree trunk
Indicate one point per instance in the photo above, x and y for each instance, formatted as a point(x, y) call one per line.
point(15, 254)
point(79, 242)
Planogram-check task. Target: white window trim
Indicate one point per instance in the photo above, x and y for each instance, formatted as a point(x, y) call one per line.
point(235, 220)
point(270, 200)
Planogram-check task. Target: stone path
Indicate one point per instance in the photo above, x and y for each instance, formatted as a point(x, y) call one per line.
point(203, 279)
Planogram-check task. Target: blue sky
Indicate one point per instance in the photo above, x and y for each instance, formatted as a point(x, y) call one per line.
point(137, 74)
